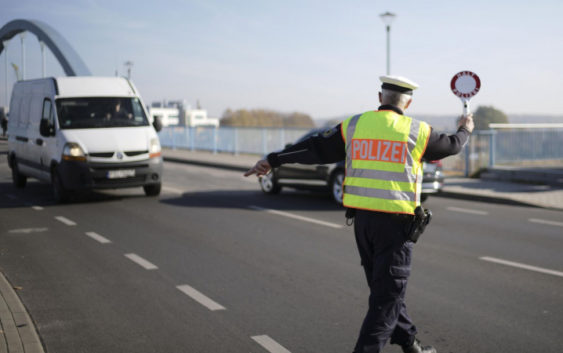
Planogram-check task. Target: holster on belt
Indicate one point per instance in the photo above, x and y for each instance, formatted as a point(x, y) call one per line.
point(350, 214)
point(422, 218)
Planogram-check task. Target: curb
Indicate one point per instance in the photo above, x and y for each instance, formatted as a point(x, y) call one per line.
point(206, 164)
point(446, 194)
point(483, 198)
point(18, 330)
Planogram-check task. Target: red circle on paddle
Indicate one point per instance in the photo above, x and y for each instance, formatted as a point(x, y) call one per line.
point(465, 84)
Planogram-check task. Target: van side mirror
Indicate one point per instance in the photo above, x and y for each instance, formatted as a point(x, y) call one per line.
point(157, 124)
point(45, 129)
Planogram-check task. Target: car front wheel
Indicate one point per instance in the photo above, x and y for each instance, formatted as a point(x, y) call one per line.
point(269, 185)
point(337, 186)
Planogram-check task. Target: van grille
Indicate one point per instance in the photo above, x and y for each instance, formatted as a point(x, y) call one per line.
point(102, 154)
point(135, 153)
point(108, 182)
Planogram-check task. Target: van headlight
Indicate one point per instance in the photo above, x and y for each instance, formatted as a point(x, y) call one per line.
point(73, 152)
point(154, 148)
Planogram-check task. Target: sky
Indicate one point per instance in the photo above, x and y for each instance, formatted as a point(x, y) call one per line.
point(323, 58)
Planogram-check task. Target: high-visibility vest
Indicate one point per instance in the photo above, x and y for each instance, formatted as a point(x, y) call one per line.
point(383, 167)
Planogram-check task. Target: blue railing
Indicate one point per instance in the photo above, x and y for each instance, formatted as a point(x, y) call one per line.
point(485, 149)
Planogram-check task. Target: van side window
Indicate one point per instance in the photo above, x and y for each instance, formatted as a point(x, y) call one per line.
point(48, 112)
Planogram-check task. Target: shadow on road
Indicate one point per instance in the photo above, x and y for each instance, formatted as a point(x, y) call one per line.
point(290, 200)
point(40, 194)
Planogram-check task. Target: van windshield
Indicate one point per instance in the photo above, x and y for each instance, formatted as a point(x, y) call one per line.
point(100, 112)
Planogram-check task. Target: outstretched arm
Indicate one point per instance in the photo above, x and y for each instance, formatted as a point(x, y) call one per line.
point(326, 147)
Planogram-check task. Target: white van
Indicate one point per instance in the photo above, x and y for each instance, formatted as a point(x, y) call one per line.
point(82, 133)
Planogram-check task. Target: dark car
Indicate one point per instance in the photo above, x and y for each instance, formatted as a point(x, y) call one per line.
point(330, 177)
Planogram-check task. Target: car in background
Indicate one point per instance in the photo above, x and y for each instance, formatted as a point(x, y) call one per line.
point(330, 177)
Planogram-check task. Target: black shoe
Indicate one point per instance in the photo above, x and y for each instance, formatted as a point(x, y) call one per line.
point(417, 348)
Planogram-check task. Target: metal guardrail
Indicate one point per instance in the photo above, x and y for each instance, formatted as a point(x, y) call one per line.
point(229, 139)
point(486, 148)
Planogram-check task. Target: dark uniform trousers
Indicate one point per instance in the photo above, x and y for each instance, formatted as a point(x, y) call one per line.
point(386, 259)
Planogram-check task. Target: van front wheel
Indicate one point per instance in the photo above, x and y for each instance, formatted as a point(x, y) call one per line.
point(60, 194)
point(152, 189)
point(19, 180)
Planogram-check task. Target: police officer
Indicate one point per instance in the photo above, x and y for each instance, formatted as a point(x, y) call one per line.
point(383, 150)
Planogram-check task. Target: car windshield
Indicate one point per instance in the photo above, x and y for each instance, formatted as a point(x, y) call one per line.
point(100, 112)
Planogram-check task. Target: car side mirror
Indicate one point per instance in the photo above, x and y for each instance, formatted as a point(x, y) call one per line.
point(45, 129)
point(157, 124)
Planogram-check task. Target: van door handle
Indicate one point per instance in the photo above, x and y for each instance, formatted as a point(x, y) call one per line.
point(39, 142)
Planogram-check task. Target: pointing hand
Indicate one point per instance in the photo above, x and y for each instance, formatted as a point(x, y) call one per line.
point(262, 167)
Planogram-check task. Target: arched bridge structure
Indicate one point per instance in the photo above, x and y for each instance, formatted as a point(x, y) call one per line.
point(71, 63)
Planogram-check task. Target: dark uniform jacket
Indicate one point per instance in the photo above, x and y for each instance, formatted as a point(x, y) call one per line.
point(329, 146)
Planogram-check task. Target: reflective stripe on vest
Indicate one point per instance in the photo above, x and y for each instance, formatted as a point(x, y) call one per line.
point(383, 168)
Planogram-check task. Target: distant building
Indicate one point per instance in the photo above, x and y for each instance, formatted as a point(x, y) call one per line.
point(180, 113)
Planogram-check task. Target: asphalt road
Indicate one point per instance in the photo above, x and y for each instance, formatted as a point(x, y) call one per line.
point(213, 265)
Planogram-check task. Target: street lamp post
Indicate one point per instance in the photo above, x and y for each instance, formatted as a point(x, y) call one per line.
point(5, 43)
point(128, 64)
point(43, 66)
point(388, 18)
point(22, 36)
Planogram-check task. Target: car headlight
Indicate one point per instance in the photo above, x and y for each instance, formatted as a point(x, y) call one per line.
point(154, 148)
point(73, 152)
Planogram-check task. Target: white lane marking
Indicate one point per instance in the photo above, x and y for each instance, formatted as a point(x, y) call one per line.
point(544, 221)
point(294, 216)
point(28, 230)
point(522, 266)
point(467, 210)
point(270, 345)
point(66, 221)
point(98, 237)
point(37, 208)
point(172, 190)
point(200, 297)
point(141, 262)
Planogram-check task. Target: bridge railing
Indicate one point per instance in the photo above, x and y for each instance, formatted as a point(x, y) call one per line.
point(530, 146)
point(229, 139)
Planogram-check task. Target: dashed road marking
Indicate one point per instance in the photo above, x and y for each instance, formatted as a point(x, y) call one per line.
point(200, 297)
point(269, 344)
point(545, 221)
point(37, 208)
point(522, 266)
point(66, 221)
point(28, 230)
point(294, 216)
point(141, 262)
point(468, 210)
point(98, 237)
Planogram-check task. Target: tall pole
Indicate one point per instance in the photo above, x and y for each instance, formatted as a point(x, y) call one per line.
point(43, 69)
point(388, 49)
point(5, 44)
point(128, 64)
point(387, 18)
point(22, 36)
